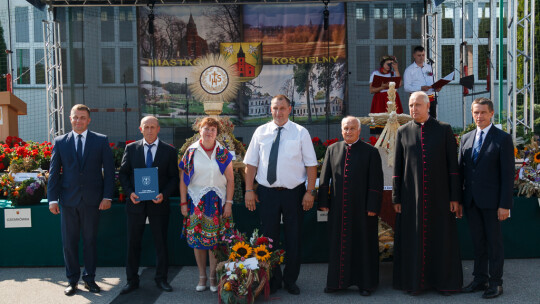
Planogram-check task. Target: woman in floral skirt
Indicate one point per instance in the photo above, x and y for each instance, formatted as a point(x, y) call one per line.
point(206, 192)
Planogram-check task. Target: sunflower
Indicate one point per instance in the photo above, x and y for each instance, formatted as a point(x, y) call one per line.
point(261, 253)
point(537, 157)
point(232, 257)
point(242, 250)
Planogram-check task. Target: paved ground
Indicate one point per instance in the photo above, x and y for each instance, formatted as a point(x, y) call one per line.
point(46, 285)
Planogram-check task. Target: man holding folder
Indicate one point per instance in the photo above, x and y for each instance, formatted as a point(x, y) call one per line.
point(149, 152)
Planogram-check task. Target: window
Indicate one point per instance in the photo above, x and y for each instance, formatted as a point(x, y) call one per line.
point(362, 21)
point(447, 58)
point(469, 60)
point(77, 20)
point(126, 18)
point(380, 14)
point(416, 20)
point(107, 24)
point(447, 21)
point(22, 33)
point(362, 66)
point(22, 66)
point(400, 51)
point(483, 61)
point(483, 20)
point(77, 75)
point(107, 65)
point(468, 15)
point(400, 22)
point(126, 65)
point(39, 16)
point(39, 66)
point(380, 51)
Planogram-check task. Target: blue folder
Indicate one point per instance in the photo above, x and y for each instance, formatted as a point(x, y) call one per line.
point(146, 183)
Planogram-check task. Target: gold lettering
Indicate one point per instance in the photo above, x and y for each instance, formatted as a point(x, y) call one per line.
point(275, 60)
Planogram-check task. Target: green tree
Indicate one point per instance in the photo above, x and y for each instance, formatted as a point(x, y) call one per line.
point(302, 81)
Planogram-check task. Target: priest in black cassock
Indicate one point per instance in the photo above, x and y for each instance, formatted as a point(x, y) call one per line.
point(350, 188)
point(426, 194)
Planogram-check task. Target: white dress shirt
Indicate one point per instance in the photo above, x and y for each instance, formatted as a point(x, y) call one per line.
point(477, 137)
point(417, 76)
point(154, 148)
point(207, 176)
point(76, 138)
point(295, 153)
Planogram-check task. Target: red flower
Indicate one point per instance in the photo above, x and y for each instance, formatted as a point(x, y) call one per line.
point(2, 166)
point(262, 241)
point(227, 225)
point(111, 145)
point(198, 228)
point(316, 140)
point(216, 220)
point(373, 140)
point(46, 153)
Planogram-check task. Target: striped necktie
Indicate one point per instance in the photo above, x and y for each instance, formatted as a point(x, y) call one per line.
point(477, 147)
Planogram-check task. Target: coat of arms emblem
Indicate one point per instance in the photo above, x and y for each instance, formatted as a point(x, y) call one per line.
point(146, 180)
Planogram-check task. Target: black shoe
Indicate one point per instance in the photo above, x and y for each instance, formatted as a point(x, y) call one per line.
point(163, 285)
point(130, 286)
point(71, 290)
point(365, 292)
point(474, 286)
point(274, 287)
point(330, 290)
point(492, 292)
point(292, 289)
point(92, 287)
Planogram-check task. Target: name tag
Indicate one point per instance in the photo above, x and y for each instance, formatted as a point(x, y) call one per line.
point(387, 187)
point(22, 176)
point(322, 216)
point(18, 218)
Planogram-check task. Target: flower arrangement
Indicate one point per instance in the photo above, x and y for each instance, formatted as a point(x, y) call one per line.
point(527, 180)
point(27, 192)
point(25, 157)
point(245, 267)
point(320, 146)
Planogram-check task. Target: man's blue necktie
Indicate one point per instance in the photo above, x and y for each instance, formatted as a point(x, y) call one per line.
point(149, 159)
point(477, 147)
point(79, 149)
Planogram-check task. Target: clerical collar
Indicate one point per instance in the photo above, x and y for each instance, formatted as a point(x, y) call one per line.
point(353, 142)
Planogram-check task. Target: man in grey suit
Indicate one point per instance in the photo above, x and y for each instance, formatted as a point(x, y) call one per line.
point(81, 180)
point(486, 160)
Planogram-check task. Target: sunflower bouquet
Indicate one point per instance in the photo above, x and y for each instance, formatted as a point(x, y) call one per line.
point(527, 179)
point(245, 266)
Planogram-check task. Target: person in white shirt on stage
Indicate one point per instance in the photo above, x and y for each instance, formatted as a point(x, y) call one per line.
point(281, 157)
point(419, 77)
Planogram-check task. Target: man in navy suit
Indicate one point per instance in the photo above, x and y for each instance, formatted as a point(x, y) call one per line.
point(148, 152)
point(486, 160)
point(81, 180)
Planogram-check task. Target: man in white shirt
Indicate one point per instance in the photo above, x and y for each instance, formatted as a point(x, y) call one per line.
point(280, 157)
point(419, 77)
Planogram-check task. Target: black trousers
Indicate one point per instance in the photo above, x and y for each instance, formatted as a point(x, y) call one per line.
point(486, 235)
point(78, 221)
point(273, 204)
point(159, 224)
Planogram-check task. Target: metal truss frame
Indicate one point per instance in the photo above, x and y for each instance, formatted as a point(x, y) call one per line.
point(53, 79)
point(520, 55)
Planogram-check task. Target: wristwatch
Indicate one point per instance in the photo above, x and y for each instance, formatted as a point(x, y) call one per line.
point(313, 192)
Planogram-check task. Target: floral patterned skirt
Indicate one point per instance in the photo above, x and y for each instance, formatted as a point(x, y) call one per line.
point(205, 225)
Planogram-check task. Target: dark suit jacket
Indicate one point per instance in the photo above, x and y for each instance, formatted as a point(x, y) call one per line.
point(166, 160)
point(71, 184)
point(489, 182)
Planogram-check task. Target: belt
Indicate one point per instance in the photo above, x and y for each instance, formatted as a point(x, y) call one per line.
point(279, 188)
